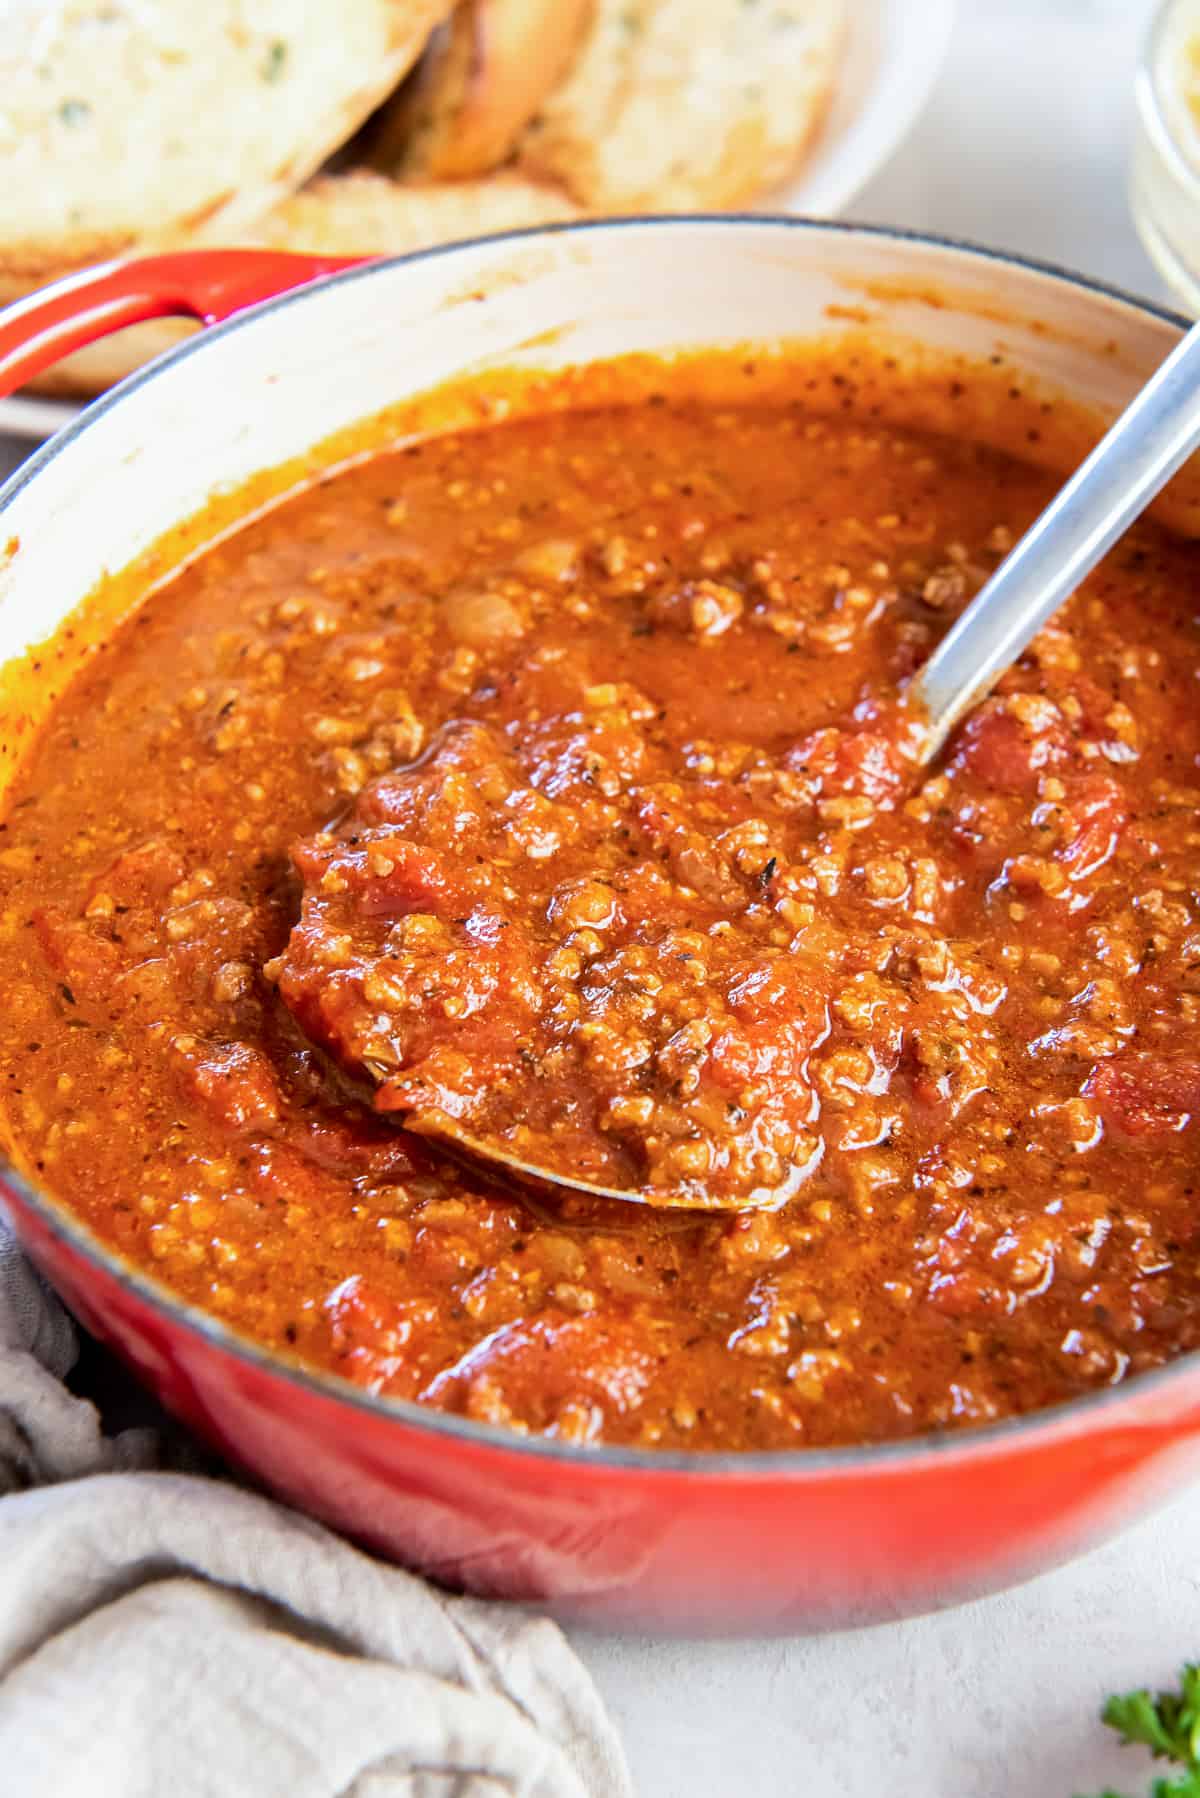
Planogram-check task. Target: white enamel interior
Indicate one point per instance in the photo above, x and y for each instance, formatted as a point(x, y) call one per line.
point(257, 392)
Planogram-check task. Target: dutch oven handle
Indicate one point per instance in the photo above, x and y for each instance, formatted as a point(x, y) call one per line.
point(207, 285)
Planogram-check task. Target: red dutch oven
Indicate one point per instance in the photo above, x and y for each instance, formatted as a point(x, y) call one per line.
point(796, 1540)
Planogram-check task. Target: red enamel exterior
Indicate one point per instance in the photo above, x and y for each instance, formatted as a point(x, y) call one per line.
point(752, 1543)
point(207, 285)
point(796, 1541)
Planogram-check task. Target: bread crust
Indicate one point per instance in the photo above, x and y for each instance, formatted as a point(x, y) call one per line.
point(364, 213)
point(674, 105)
point(483, 75)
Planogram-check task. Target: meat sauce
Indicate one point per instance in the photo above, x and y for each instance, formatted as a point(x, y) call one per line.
point(555, 776)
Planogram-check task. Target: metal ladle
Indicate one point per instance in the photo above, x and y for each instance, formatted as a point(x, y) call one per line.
point(478, 1151)
point(1129, 466)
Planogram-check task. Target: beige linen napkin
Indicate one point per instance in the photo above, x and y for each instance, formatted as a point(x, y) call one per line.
point(168, 1636)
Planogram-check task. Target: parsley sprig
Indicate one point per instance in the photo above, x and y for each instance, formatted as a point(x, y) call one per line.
point(1168, 1724)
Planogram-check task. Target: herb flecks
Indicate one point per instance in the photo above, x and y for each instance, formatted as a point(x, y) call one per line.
point(275, 61)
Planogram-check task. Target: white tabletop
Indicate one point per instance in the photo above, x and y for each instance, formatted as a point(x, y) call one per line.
point(1024, 147)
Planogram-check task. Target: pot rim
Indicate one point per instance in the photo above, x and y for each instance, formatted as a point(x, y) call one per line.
point(792, 1465)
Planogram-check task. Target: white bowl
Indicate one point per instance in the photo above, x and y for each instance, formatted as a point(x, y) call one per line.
point(894, 55)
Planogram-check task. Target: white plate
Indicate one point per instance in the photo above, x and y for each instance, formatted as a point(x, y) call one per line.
point(894, 55)
point(895, 51)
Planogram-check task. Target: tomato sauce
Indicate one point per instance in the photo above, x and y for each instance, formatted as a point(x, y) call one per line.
point(554, 776)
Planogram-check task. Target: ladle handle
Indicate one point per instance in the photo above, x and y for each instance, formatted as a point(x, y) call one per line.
point(1131, 463)
point(208, 285)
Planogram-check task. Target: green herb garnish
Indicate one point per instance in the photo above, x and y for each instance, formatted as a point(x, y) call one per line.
point(273, 62)
point(1168, 1724)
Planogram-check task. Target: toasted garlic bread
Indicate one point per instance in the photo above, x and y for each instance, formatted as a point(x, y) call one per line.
point(355, 214)
point(360, 213)
point(482, 77)
point(675, 104)
point(123, 120)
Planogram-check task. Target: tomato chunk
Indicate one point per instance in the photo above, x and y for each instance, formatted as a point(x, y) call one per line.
point(233, 1082)
point(87, 963)
point(1146, 1095)
point(1098, 805)
point(1004, 752)
point(370, 1334)
point(544, 1362)
point(854, 762)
